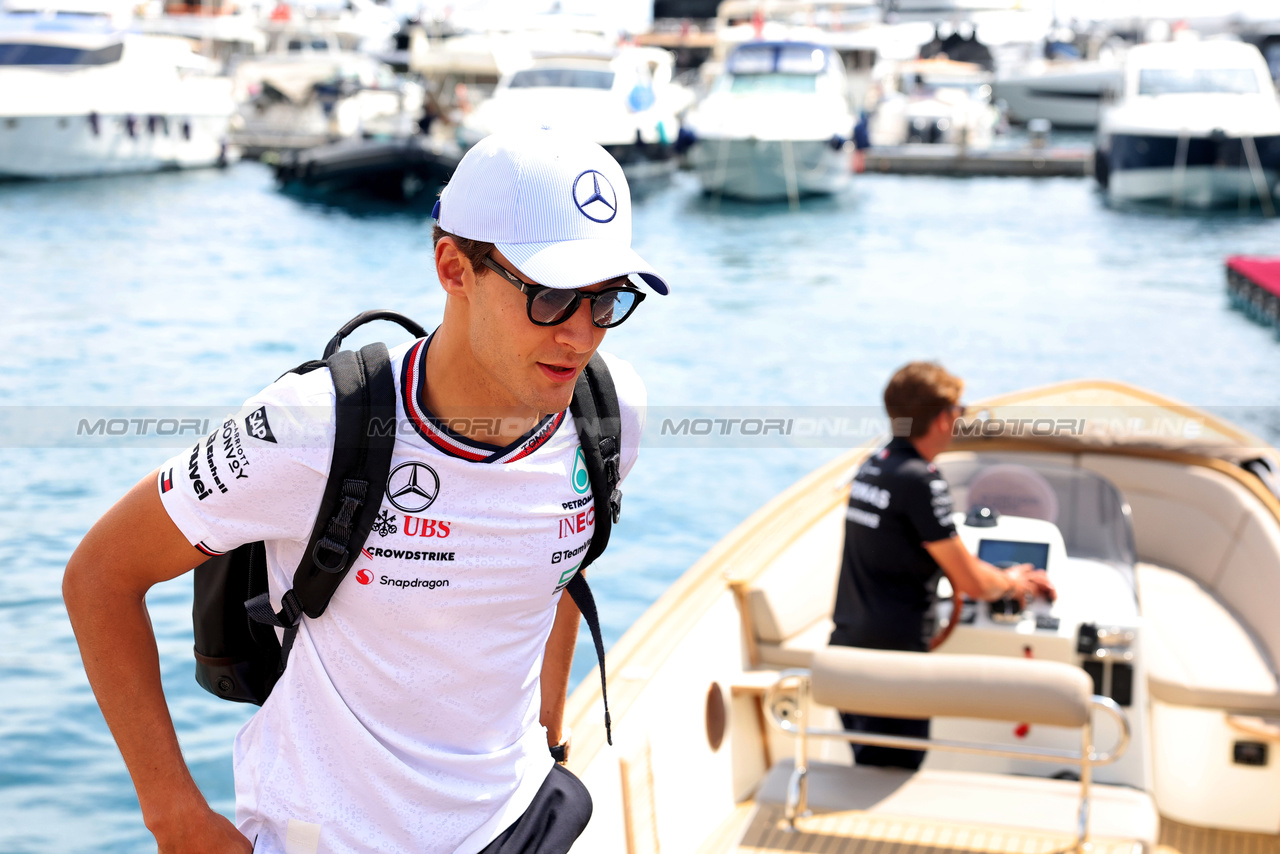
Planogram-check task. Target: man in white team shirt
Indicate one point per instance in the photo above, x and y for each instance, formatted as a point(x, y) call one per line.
point(415, 714)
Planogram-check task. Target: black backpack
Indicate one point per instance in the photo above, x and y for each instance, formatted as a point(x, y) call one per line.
point(238, 655)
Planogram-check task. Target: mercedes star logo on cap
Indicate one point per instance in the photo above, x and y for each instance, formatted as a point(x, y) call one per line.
point(594, 196)
point(412, 487)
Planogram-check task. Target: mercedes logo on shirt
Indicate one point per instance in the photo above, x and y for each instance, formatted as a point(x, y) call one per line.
point(412, 487)
point(594, 196)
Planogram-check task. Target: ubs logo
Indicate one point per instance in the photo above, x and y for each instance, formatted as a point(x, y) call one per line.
point(595, 197)
point(413, 487)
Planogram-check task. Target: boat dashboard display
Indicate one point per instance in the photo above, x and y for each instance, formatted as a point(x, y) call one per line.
point(1007, 553)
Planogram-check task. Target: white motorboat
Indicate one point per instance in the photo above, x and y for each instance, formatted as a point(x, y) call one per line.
point(1198, 124)
point(933, 101)
point(1145, 717)
point(625, 100)
point(1068, 94)
point(87, 100)
point(775, 125)
point(306, 90)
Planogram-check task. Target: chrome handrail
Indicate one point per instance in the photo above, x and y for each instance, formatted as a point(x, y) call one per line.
point(796, 724)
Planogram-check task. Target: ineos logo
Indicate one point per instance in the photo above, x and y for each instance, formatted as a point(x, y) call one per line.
point(364, 576)
point(413, 486)
point(595, 197)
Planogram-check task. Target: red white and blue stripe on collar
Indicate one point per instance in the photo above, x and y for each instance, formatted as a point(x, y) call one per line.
point(413, 386)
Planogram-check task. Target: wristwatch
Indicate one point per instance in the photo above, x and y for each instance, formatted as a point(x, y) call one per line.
point(560, 752)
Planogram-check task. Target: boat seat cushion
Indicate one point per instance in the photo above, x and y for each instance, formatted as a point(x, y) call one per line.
point(796, 650)
point(1197, 652)
point(1000, 800)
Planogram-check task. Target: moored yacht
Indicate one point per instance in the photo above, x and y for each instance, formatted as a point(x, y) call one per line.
point(934, 101)
point(81, 101)
point(775, 125)
point(622, 98)
point(307, 89)
point(1135, 711)
point(1198, 124)
point(1066, 94)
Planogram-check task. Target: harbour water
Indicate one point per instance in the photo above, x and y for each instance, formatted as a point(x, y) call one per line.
point(194, 290)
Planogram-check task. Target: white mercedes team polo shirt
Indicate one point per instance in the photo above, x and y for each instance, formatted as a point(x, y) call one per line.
point(408, 716)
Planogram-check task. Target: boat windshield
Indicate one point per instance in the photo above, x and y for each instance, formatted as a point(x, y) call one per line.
point(1187, 81)
point(766, 58)
point(567, 78)
point(12, 53)
point(774, 83)
point(1087, 508)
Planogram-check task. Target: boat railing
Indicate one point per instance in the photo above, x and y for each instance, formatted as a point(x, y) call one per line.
point(916, 685)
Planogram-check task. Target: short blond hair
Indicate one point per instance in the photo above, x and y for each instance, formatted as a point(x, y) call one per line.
point(917, 394)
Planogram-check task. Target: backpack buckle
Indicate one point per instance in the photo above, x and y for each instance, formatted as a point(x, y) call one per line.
point(615, 505)
point(332, 547)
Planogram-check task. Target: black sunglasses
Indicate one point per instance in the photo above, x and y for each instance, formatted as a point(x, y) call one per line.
point(553, 306)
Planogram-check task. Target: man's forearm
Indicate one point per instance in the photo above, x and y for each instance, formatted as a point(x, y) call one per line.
point(120, 657)
point(121, 660)
point(556, 664)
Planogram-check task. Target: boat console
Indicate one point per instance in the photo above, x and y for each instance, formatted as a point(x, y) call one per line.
point(1074, 525)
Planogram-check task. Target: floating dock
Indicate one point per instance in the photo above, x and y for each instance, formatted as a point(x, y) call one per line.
point(922, 159)
point(1253, 287)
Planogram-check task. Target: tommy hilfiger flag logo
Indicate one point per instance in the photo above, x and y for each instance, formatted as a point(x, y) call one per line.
point(166, 481)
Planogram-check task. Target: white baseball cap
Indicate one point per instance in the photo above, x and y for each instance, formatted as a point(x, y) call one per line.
point(556, 205)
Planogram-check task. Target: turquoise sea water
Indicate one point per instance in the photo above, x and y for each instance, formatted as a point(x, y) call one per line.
point(194, 290)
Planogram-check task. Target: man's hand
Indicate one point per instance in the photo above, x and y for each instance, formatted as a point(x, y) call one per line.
point(201, 832)
point(978, 579)
point(1030, 582)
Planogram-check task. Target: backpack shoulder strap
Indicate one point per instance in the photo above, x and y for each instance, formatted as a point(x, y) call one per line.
point(364, 436)
point(598, 417)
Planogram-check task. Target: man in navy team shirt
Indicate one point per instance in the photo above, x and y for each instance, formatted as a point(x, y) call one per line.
point(900, 539)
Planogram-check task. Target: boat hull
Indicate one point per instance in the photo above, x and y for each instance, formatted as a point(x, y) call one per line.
point(1065, 99)
point(400, 171)
point(1200, 171)
point(79, 146)
point(771, 170)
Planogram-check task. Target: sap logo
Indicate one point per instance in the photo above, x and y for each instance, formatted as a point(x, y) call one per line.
point(257, 426)
point(364, 576)
point(416, 527)
point(577, 524)
point(193, 471)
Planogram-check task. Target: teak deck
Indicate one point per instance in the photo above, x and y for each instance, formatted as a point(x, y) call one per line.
point(761, 831)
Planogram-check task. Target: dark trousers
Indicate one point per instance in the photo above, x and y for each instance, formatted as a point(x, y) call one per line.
point(558, 815)
point(866, 754)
